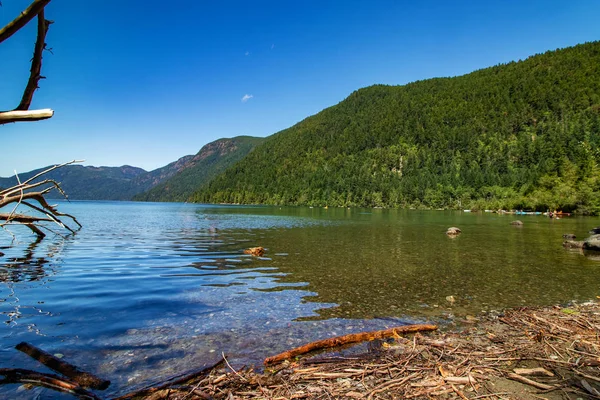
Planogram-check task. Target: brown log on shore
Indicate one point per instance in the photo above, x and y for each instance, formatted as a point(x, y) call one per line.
point(174, 381)
point(83, 378)
point(348, 339)
point(18, 375)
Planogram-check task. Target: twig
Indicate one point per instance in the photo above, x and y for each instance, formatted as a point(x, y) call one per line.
point(231, 368)
point(530, 382)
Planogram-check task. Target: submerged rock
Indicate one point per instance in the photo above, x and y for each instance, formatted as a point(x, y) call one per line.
point(517, 223)
point(569, 236)
point(255, 251)
point(453, 231)
point(595, 231)
point(592, 243)
point(572, 244)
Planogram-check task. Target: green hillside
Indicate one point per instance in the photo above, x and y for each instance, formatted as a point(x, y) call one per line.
point(520, 135)
point(194, 171)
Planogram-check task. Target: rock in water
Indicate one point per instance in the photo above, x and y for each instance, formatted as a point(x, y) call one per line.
point(572, 244)
point(570, 236)
point(592, 243)
point(517, 223)
point(595, 231)
point(453, 231)
point(255, 251)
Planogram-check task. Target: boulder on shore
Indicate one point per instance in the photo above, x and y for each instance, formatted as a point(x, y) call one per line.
point(453, 231)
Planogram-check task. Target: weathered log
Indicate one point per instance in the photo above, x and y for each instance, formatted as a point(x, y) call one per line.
point(176, 380)
point(348, 339)
point(83, 378)
point(18, 375)
point(7, 117)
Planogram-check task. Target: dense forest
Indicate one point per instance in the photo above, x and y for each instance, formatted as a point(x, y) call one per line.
point(522, 135)
point(197, 170)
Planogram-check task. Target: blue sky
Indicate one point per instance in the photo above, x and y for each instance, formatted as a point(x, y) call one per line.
point(144, 82)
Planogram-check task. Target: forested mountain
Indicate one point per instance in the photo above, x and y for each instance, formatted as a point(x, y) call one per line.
point(519, 135)
point(194, 171)
point(173, 182)
point(89, 183)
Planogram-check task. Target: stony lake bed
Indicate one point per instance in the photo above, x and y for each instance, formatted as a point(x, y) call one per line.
point(146, 291)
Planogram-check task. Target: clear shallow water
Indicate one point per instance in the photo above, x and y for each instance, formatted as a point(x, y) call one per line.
point(145, 291)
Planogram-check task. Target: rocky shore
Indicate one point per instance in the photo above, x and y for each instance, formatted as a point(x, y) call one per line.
point(525, 353)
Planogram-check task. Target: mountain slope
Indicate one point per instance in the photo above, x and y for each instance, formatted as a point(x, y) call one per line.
point(174, 182)
point(520, 135)
point(194, 171)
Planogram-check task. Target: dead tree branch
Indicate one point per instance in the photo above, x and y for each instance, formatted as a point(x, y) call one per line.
point(36, 62)
point(23, 193)
point(27, 15)
point(21, 112)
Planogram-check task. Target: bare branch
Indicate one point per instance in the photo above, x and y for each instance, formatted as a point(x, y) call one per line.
point(21, 218)
point(22, 20)
point(22, 192)
point(51, 169)
point(36, 62)
point(7, 117)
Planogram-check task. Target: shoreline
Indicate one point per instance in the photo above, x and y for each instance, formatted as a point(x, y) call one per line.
point(523, 353)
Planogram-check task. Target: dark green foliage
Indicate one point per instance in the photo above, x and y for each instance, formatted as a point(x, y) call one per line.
point(521, 135)
point(194, 171)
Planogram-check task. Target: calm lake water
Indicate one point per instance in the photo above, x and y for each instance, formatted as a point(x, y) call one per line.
point(146, 291)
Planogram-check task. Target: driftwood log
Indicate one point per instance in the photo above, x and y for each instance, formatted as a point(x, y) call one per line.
point(171, 382)
point(18, 375)
point(347, 339)
point(84, 379)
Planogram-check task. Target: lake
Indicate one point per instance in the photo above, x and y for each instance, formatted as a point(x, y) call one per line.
point(146, 290)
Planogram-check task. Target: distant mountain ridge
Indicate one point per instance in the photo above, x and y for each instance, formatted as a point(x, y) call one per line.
point(125, 182)
point(195, 171)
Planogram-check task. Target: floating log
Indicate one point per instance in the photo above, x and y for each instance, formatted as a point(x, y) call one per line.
point(18, 375)
point(83, 378)
point(348, 339)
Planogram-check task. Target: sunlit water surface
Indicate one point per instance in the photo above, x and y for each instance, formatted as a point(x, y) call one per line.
point(146, 291)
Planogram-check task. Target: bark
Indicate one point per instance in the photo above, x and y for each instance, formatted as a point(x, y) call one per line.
point(17, 375)
point(36, 63)
point(30, 12)
point(347, 339)
point(83, 378)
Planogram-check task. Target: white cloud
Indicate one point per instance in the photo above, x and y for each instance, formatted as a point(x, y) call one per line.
point(246, 98)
